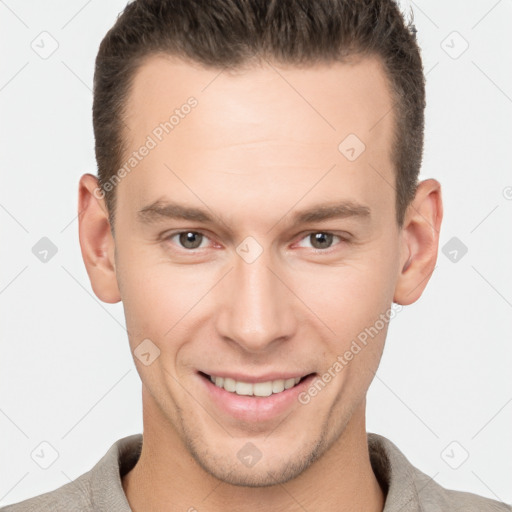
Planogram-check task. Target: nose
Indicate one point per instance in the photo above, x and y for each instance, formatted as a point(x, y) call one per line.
point(256, 306)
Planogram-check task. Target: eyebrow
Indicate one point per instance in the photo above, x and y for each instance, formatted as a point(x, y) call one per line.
point(162, 209)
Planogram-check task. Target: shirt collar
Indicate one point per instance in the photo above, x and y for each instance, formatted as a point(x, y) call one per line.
point(394, 472)
point(107, 493)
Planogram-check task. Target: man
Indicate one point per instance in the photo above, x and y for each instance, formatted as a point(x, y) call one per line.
point(257, 209)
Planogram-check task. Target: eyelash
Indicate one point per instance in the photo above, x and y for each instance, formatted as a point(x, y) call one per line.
point(305, 235)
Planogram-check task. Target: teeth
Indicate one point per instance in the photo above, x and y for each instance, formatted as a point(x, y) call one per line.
point(277, 386)
point(243, 388)
point(257, 389)
point(229, 385)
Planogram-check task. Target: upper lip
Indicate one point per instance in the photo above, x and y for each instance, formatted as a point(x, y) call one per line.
point(252, 379)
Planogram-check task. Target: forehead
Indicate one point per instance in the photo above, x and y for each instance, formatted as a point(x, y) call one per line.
point(263, 126)
point(332, 97)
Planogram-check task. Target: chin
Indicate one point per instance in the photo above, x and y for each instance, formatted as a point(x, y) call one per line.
point(265, 472)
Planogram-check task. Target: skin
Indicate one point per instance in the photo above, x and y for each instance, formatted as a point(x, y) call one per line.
point(255, 151)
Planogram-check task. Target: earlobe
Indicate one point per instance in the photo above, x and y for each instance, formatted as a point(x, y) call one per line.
point(420, 241)
point(96, 241)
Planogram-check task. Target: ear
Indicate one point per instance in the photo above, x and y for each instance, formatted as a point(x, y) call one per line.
point(419, 242)
point(96, 240)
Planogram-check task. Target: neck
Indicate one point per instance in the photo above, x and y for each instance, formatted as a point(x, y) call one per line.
point(167, 478)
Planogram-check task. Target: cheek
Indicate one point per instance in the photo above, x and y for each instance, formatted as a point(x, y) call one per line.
point(157, 295)
point(356, 304)
point(349, 298)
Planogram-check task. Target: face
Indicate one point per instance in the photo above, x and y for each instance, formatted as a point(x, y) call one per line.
point(251, 246)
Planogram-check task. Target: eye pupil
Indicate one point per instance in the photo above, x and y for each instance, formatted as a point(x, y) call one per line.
point(323, 239)
point(190, 239)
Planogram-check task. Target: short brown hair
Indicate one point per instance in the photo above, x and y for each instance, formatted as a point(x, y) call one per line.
point(230, 33)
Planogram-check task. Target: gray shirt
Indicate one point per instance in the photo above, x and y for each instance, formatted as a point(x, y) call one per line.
point(407, 488)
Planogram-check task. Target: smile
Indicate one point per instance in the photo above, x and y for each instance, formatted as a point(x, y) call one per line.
point(257, 389)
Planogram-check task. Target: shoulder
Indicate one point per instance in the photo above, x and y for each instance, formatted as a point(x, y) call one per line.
point(73, 496)
point(433, 497)
point(409, 490)
point(99, 489)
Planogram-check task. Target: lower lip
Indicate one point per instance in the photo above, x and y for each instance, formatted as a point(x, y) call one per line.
point(253, 409)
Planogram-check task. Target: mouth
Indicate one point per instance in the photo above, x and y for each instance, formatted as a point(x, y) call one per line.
point(261, 400)
point(255, 389)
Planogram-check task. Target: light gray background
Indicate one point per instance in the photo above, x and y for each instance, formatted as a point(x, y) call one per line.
point(67, 377)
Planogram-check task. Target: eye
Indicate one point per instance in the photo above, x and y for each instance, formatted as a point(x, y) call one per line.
point(320, 239)
point(189, 239)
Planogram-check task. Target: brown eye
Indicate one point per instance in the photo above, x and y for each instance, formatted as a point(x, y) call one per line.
point(321, 240)
point(190, 239)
